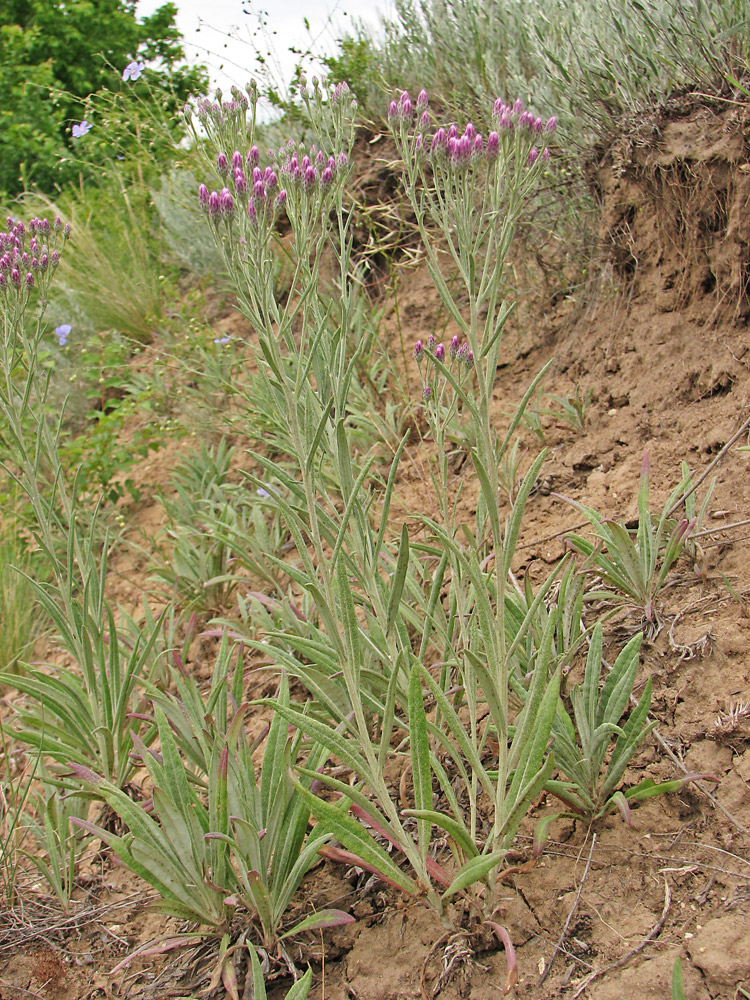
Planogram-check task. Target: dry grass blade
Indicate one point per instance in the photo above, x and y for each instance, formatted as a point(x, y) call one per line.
point(573, 909)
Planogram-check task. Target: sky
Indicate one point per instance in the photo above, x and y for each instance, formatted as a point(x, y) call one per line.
point(225, 34)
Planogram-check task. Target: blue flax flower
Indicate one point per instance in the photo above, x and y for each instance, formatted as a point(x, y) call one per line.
point(133, 70)
point(62, 332)
point(80, 130)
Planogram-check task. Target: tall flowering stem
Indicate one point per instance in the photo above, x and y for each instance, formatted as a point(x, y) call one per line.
point(468, 192)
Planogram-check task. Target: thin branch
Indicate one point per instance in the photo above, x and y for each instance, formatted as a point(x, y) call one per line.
point(712, 465)
point(573, 909)
point(655, 930)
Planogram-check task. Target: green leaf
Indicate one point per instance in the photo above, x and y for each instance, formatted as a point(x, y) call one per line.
point(473, 871)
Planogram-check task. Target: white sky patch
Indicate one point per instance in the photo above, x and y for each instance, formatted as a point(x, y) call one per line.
point(226, 35)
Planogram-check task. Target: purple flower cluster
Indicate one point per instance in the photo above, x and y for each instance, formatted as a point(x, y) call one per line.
point(456, 351)
point(253, 188)
point(310, 170)
point(460, 149)
point(24, 262)
point(218, 111)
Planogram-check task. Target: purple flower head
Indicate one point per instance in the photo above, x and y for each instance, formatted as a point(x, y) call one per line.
point(478, 145)
point(462, 352)
point(326, 178)
point(526, 120)
point(133, 70)
point(469, 359)
point(537, 125)
point(252, 214)
point(440, 352)
point(551, 124)
point(311, 176)
point(240, 182)
point(203, 196)
point(214, 205)
point(453, 132)
point(422, 100)
point(222, 164)
point(55, 257)
point(424, 120)
point(405, 107)
point(44, 262)
point(439, 141)
point(320, 158)
point(431, 342)
point(257, 175)
point(533, 156)
point(340, 92)
point(545, 154)
point(343, 160)
point(222, 340)
point(418, 143)
point(227, 203)
point(280, 200)
point(418, 351)
point(259, 192)
point(453, 349)
point(66, 230)
point(392, 111)
point(517, 106)
point(62, 333)
point(426, 392)
point(15, 277)
point(29, 280)
point(237, 160)
point(499, 108)
point(470, 131)
point(493, 145)
point(80, 130)
point(331, 162)
point(306, 162)
point(270, 179)
point(464, 149)
point(253, 157)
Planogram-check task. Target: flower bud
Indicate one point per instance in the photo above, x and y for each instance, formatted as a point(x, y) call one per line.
point(257, 175)
point(493, 145)
point(252, 214)
point(499, 108)
point(545, 154)
point(259, 192)
point(440, 352)
point(392, 111)
point(29, 280)
point(405, 108)
point(44, 262)
point(203, 196)
point(320, 158)
point(533, 155)
point(477, 145)
point(222, 164)
point(418, 351)
point(55, 258)
point(270, 179)
point(280, 200)
point(15, 277)
point(470, 131)
point(227, 203)
point(517, 106)
point(214, 205)
point(424, 121)
point(551, 124)
point(453, 132)
point(326, 178)
point(236, 160)
point(426, 392)
point(537, 126)
point(431, 342)
point(66, 230)
point(309, 179)
point(422, 100)
point(439, 141)
point(240, 182)
point(343, 160)
point(453, 349)
point(253, 157)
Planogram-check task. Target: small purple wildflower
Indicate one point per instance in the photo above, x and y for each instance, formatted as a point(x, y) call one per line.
point(80, 130)
point(222, 340)
point(133, 70)
point(426, 392)
point(418, 351)
point(62, 333)
point(263, 494)
point(453, 349)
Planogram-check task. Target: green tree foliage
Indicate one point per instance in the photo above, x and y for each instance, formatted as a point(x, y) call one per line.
point(55, 54)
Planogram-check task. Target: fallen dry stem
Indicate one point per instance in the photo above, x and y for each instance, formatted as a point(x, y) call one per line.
point(573, 909)
point(655, 930)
